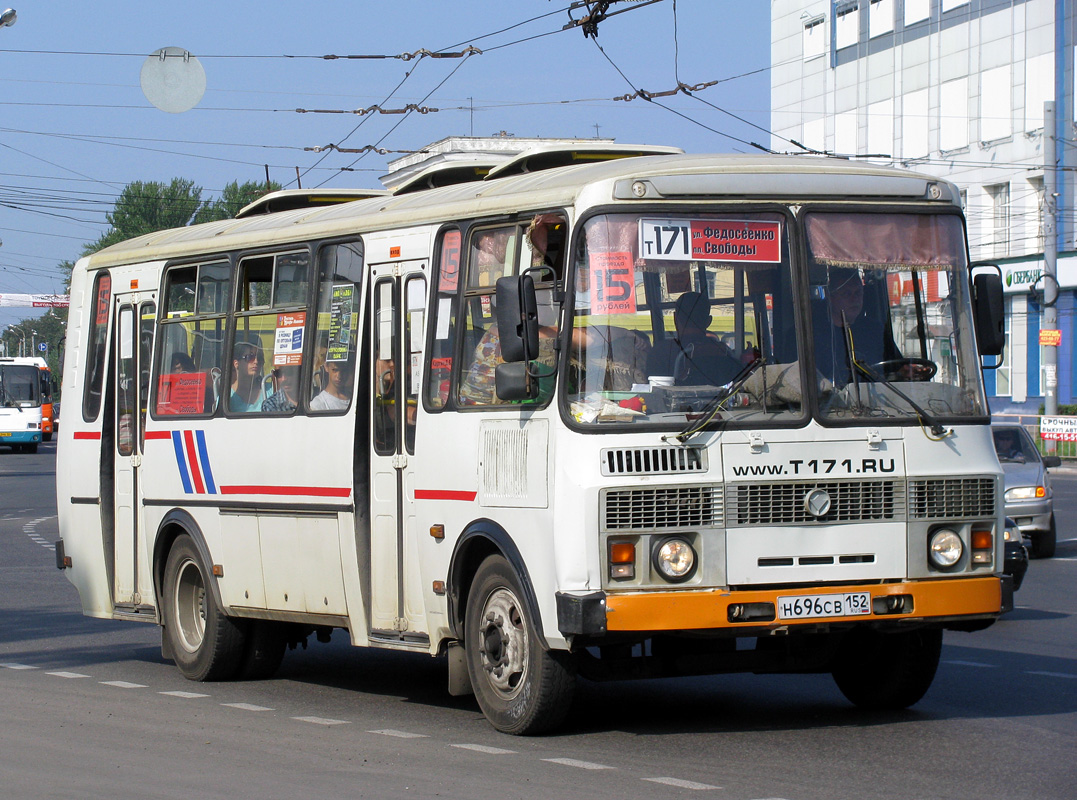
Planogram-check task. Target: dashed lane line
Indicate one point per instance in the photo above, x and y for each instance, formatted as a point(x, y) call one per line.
point(323, 721)
point(484, 748)
point(681, 784)
point(246, 707)
point(1066, 675)
point(68, 674)
point(399, 734)
point(124, 684)
point(11, 665)
point(959, 663)
point(184, 695)
point(573, 762)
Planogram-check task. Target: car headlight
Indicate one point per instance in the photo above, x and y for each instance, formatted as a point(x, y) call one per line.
point(1012, 533)
point(945, 548)
point(1026, 493)
point(675, 559)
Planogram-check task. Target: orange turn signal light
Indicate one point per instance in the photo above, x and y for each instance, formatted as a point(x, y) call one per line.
point(982, 540)
point(622, 553)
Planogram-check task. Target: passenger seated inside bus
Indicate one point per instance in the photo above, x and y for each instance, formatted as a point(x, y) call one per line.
point(285, 397)
point(248, 391)
point(337, 394)
point(692, 356)
point(181, 363)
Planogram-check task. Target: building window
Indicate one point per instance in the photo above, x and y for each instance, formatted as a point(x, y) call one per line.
point(954, 115)
point(1002, 374)
point(847, 25)
point(996, 104)
point(915, 124)
point(880, 17)
point(814, 43)
point(1039, 88)
point(916, 11)
point(1036, 203)
point(950, 5)
point(999, 195)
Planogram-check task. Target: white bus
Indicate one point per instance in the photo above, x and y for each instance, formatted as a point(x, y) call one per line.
point(653, 416)
point(25, 392)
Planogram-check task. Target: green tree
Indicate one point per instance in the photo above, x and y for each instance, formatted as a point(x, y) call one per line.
point(233, 198)
point(145, 207)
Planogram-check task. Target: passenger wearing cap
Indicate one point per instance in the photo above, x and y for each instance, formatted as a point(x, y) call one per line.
point(846, 317)
point(691, 355)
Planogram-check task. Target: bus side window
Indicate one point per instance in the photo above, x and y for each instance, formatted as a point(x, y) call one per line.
point(332, 376)
point(443, 320)
point(492, 255)
point(190, 344)
point(95, 350)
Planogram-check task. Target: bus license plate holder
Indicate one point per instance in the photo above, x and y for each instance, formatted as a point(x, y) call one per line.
point(813, 606)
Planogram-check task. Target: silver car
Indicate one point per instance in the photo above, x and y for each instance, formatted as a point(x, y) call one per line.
point(1028, 494)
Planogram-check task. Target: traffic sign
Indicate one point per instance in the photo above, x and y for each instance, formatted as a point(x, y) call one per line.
point(43, 347)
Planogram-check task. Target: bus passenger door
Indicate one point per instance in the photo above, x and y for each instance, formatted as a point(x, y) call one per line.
point(134, 341)
point(398, 303)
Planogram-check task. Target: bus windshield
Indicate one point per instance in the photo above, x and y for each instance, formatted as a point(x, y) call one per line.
point(685, 319)
point(20, 386)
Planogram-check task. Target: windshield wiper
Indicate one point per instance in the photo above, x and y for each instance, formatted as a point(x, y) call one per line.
point(933, 424)
point(725, 391)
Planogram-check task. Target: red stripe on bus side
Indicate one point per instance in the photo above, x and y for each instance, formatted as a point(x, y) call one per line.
point(441, 494)
point(87, 435)
point(158, 435)
point(290, 491)
point(192, 458)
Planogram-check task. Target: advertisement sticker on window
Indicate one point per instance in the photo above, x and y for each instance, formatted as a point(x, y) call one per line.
point(613, 283)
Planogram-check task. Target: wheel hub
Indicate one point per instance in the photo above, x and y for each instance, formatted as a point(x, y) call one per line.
point(503, 643)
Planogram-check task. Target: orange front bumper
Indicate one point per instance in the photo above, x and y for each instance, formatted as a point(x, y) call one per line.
point(699, 610)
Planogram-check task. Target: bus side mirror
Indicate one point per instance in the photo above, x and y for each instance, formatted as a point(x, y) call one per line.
point(517, 319)
point(511, 382)
point(987, 305)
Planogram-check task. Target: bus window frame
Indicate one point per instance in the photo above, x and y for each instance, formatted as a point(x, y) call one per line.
point(95, 378)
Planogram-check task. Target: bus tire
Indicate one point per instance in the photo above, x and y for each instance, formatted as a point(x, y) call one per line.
point(30, 448)
point(46, 436)
point(205, 644)
point(522, 688)
point(266, 642)
point(887, 671)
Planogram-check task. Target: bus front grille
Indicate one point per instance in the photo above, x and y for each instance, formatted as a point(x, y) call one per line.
point(662, 508)
point(784, 503)
point(949, 498)
point(653, 460)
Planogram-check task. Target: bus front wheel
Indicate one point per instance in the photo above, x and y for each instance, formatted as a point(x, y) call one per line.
point(205, 644)
point(522, 688)
point(887, 671)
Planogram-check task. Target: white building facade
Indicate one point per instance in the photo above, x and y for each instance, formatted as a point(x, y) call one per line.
point(954, 88)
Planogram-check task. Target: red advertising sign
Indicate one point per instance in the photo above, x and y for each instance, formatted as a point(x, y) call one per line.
point(182, 393)
point(1053, 338)
point(613, 283)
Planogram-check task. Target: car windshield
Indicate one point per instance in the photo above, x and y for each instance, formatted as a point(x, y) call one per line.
point(1013, 446)
point(20, 386)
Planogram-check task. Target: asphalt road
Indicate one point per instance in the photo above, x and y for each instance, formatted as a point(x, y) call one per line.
point(89, 709)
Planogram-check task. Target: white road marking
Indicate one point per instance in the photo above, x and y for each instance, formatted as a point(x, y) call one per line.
point(16, 666)
point(968, 663)
point(184, 695)
point(572, 762)
point(482, 748)
point(1050, 674)
point(682, 784)
point(246, 707)
point(68, 674)
point(124, 684)
point(323, 721)
point(399, 734)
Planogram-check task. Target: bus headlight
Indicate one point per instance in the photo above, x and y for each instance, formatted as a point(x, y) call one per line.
point(675, 559)
point(945, 548)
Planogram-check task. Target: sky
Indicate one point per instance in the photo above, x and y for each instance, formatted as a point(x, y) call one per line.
point(75, 126)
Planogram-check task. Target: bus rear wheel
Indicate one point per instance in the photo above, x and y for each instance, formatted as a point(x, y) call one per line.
point(205, 644)
point(522, 688)
point(887, 671)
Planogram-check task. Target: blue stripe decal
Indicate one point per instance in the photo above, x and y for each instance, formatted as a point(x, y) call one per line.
point(181, 462)
point(203, 456)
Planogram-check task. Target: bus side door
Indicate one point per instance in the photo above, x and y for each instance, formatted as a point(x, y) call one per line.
point(134, 342)
point(398, 304)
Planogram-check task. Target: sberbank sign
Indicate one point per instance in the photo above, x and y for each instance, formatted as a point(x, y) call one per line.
point(1023, 277)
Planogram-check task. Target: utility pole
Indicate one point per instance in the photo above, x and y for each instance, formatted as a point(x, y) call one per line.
point(1050, 262)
